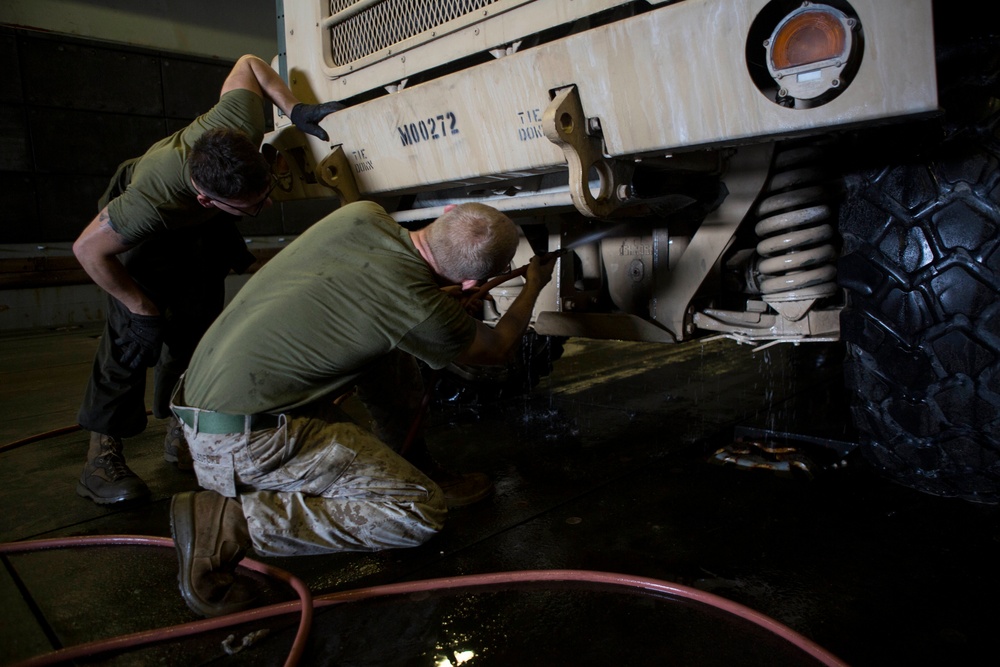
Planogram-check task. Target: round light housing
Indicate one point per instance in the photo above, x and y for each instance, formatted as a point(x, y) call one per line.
point(808, 37)
point(808, 51)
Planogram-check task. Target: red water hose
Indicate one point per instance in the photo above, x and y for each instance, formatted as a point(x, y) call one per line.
point(306, 603)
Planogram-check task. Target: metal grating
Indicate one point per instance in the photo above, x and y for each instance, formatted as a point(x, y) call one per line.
point(390, 22)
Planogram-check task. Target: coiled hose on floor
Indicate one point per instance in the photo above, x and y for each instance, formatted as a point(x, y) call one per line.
point(306, 603)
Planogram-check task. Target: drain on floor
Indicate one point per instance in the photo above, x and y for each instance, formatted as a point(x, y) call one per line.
point(783, 454)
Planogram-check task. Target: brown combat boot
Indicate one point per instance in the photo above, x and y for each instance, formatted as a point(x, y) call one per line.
point(106, 478)
point(461, 489)
point(175, 446)
point(212, 537)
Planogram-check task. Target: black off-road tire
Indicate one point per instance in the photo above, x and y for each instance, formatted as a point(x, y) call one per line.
point(921, 261)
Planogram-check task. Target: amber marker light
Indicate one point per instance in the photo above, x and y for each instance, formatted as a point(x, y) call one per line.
point(812, 54)
point(812, 36)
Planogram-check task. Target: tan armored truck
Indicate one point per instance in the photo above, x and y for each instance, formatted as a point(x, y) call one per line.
point(767, 170)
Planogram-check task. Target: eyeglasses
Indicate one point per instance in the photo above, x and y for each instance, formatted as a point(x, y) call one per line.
point(253, 211)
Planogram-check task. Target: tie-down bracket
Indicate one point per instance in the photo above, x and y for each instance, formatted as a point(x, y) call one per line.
point(565, 125)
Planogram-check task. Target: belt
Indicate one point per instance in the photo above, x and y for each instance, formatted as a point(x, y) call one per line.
point(217, 423)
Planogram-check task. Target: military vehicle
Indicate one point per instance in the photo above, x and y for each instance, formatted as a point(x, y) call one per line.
point(772, 171)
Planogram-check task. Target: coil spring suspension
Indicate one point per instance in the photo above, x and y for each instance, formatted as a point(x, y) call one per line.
point(793, 222)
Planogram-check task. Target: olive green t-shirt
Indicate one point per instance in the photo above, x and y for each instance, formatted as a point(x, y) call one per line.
point(160, 196)
point(348, 290)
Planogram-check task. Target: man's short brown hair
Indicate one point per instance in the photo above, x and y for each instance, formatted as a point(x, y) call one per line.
point(226, 164)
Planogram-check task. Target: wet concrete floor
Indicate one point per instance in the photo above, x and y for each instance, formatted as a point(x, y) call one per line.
point(606, 467)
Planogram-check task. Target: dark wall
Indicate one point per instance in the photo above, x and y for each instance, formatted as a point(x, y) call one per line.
point(72, 109)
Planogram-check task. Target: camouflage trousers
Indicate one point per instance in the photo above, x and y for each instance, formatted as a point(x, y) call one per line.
point(318, 483)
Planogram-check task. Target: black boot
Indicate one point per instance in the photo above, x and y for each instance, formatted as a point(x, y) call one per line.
point(106, 478)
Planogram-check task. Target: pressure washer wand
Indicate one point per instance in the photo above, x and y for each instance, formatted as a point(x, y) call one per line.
point(516, 273)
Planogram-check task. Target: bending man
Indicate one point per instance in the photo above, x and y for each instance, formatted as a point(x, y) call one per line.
point(161, 247)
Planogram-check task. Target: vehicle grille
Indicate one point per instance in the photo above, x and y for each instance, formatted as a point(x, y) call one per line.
point(390, 22)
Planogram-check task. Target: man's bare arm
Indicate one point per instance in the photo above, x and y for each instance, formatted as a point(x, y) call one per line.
point(252, 73)
point(97, 250)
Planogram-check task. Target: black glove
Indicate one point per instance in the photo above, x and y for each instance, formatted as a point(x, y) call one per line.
point(307, 117)
point(141, 341)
